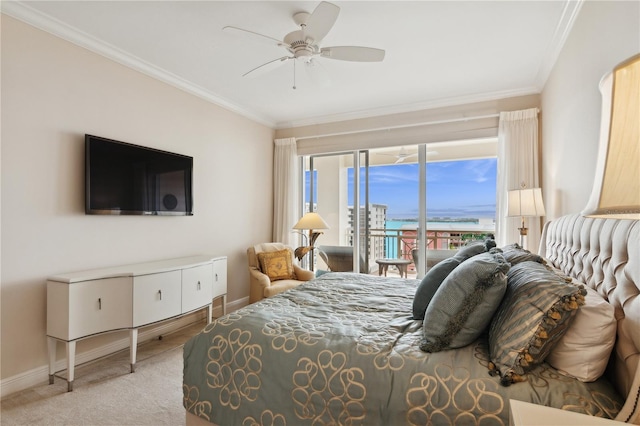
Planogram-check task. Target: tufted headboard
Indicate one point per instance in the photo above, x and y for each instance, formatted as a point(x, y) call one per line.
point(605, 255)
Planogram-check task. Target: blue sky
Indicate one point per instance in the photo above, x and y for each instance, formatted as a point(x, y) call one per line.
point(454, 189)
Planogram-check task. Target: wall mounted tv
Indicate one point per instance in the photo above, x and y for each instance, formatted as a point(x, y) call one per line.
point(126, 179)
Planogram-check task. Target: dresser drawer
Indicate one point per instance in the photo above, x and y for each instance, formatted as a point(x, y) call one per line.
point(196, 287)
point(156, 297)
point(81, 309)
point(219, 277)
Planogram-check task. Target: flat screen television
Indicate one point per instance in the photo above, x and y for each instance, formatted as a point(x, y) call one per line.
point(126, 179)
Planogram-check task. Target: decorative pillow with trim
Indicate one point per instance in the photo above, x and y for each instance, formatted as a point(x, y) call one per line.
point(535, 312)
point(437, 274)
point(463, 306)
point(516, 254)
point(277, 264)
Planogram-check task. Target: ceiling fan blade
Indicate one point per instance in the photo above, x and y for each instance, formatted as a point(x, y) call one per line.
point(265, 68)
point(253, 36)
point(353, 53)
point(321, 21)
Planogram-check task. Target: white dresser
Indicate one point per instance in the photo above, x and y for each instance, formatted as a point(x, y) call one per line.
point(87, 303)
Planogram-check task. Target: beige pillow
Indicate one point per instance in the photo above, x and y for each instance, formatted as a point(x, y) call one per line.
point(277, 264)
point(583, 352)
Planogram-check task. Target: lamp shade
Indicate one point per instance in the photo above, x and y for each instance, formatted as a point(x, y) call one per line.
point(616, 188)
point(311, 221)
point(525, 202)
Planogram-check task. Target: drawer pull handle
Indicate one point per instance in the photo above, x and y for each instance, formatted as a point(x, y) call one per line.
point(198, 285)
point(160, 293)
point(216, 277)
point(99, 303)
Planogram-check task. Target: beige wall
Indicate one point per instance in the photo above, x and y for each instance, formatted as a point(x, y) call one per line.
point(604, 34)
point(54, 92)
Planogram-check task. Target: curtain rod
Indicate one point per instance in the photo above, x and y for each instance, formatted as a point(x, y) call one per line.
point(400, 126)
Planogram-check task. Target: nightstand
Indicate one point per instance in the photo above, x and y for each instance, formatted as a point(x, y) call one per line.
point(527, 414)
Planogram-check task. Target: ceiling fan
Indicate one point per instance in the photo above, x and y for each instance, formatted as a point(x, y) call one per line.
point(404, 155)
point(304, 44)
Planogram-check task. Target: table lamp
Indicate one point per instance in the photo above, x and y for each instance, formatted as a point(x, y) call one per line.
point(525, 202)
point(311, 221)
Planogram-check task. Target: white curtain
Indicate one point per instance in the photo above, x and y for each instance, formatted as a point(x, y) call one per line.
point(285, 191)
point(517, 168)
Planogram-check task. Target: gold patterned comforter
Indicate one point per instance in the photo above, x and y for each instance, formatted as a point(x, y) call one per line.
point(343, 349)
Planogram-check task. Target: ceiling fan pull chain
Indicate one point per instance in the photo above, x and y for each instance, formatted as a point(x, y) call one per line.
point(294, 74)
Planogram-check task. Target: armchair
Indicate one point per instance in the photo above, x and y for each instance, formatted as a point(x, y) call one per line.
point(261, 286)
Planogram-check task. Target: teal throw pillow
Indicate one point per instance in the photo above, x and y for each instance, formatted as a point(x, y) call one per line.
point(430, 284)
point(436, 274)
point(464, 304)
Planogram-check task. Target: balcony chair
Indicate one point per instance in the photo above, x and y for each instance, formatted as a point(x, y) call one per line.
point(275, 273)
point(340, 259)
point(436, 256)
point(433, 257)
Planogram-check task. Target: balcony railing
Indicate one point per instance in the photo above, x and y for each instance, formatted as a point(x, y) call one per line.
point(398, 243)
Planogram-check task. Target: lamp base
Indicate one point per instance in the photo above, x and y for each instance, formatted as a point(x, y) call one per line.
point(523, 234)
point(301, 252)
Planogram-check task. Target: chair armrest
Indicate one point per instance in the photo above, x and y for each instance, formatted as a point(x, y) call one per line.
point(303, 274)
point(259, 278)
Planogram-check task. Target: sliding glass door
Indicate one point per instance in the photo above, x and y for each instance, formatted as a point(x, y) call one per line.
point(370, 203)
point(412, 205)
point(336, 188)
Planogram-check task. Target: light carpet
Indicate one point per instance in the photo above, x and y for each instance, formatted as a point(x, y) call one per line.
point(106, 393)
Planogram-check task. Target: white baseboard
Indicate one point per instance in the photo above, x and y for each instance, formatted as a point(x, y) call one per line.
point(40, 375)
point(236, 304)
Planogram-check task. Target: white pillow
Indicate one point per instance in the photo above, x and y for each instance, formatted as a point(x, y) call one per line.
point(583, 352)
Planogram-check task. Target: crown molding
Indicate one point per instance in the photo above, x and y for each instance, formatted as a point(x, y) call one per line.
point(560, 35)
point(49, 24)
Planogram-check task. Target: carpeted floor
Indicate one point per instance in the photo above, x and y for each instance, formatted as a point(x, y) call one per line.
point(105, 393)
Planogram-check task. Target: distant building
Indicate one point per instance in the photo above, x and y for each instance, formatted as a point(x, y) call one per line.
point(376, 221)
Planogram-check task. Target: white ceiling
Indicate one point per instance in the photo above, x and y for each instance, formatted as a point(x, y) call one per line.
point(438, 53)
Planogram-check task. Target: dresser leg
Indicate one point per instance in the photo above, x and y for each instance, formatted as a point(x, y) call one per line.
point(71, 361)
point(133, 347)
point(224, 304)
point(51, 345)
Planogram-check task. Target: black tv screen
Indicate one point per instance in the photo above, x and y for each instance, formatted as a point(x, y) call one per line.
point(126, 179)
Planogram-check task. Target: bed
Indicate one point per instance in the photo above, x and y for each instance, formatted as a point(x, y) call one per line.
point(345, 348)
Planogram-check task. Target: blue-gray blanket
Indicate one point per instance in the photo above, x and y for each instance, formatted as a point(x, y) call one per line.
point(343, 349)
